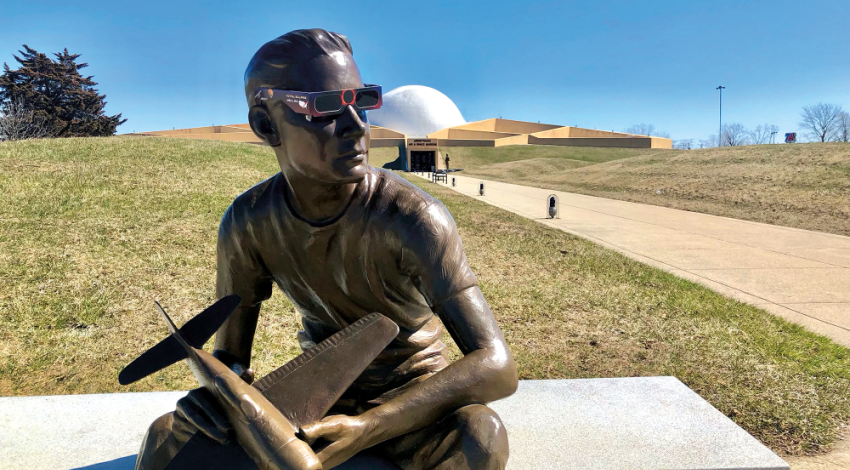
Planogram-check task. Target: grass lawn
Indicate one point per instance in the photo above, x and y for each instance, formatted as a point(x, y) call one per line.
point(92, 230)
point(801, 185)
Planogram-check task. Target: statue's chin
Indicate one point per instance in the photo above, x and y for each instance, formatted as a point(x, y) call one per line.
point(345, 172)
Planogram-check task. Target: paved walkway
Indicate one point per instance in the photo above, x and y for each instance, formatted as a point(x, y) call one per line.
point(800, 275)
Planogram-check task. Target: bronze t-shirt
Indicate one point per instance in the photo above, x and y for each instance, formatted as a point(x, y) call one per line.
point(394, 250)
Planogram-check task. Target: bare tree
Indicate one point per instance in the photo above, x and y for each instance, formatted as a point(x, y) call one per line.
point(684, 144)
point(761, 134)
point(646, 129)
point(640, 129)
point(820, 120)
point(18, 123)
point(734, 134)
point(711, 141)
point(842, 133)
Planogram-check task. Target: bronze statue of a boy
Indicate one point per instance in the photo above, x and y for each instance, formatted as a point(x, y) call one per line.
point(343, 239)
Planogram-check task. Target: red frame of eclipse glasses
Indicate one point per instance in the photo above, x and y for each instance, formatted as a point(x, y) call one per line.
point(323, 103)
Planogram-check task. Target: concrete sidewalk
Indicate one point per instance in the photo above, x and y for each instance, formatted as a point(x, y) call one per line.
point(800, 275)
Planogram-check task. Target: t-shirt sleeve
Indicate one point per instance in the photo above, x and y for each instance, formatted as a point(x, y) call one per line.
point(239, 269)
point(439, 266)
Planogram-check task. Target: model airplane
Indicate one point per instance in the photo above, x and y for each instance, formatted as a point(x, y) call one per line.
point(266, 416)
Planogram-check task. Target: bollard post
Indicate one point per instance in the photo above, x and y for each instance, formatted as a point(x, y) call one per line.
point(453, 182)
point(481, 188)
point(552, 206)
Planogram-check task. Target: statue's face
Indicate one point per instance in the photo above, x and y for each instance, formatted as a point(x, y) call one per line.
point(330, 149)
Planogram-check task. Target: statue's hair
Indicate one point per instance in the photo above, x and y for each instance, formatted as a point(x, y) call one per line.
point(268, 67)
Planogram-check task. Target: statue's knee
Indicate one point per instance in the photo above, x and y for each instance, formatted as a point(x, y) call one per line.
point(485, 440)
point(158, 431)
point(157, 434)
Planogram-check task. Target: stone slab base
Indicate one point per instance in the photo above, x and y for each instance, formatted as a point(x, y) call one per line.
point(628, 423)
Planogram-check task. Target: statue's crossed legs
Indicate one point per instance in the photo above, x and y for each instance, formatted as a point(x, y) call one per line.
point(472, 437)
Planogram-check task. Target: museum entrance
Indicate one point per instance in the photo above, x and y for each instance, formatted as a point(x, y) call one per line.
point(423, 160)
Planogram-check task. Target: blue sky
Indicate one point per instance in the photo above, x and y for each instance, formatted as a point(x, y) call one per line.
point(603, 65)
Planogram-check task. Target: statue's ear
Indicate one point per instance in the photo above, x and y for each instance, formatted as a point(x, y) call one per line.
point(263, 126)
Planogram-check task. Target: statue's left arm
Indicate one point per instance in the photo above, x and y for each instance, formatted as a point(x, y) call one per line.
point(485, 373)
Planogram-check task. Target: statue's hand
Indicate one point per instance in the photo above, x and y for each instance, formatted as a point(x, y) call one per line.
point(198, 411)
point(344, 435)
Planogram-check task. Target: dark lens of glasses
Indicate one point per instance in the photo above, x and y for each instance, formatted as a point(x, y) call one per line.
point(329, 103)
point(368, 98)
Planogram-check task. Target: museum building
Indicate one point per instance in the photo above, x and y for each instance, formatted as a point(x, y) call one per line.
point(421, 121)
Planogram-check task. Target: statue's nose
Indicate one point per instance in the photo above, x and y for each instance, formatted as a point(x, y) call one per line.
point(352, 127)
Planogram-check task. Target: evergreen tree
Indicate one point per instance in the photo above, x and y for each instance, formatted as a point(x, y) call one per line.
point(54, 93)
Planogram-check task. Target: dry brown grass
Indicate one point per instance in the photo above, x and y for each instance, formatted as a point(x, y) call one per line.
point(92, 230)
point(804, 185)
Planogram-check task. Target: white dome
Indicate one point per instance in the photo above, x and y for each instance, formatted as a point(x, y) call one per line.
point(417, 111)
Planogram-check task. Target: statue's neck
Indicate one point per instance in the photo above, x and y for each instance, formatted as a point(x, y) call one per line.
point(315, 201)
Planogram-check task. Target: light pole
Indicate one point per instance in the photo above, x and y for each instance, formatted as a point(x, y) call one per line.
point(720, 129)
point(773, 133)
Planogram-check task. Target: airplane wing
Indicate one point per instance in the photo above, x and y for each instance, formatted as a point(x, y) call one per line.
point(305, 388)
point(168, 351)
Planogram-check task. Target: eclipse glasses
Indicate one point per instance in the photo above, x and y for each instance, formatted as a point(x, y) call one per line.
point(323, 103)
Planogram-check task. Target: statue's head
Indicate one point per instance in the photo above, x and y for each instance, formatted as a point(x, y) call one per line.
point(331, 148)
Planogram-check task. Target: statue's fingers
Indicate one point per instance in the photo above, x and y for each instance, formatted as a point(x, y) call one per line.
point(202, 403)
point(248, 376)
point(181, 428)
point(324, 429)
point(333, 455)
point(218, 419)
point(199, 398)
point(190, 418)
point(309, 433)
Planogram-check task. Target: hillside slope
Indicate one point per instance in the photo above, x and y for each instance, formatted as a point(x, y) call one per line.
point(805, 185)
point(472, 158)
point(93, 230)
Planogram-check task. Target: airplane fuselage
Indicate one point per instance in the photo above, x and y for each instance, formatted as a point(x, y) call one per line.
point(265, 434)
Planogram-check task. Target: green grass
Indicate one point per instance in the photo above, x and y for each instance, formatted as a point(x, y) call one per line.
point(92, 230)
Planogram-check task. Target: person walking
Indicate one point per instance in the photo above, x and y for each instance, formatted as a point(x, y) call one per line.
point(447, 161)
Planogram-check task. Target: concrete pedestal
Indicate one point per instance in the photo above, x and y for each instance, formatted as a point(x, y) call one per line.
point(629, 423)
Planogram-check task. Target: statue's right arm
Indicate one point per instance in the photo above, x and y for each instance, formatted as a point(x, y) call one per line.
point(238, 271)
